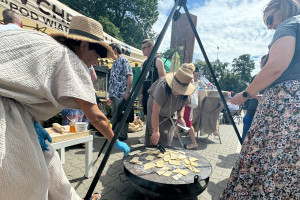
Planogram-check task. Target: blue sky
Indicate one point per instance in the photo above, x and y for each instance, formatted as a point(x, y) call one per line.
point(235, 26)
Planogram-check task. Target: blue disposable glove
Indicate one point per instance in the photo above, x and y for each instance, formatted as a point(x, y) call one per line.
point(123, 147)
point(42, 136)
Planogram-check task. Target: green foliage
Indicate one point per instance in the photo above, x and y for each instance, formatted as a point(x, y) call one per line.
point(90, 8)
point(130, 21)
point(235, 79)
point(243, 67)
point(135, 19)
point(110, 28)
point(231, 82)
point(218, 67)
point(170, 52)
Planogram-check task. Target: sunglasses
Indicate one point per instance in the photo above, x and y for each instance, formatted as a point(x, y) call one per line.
point(270, 19)
point(143, 48)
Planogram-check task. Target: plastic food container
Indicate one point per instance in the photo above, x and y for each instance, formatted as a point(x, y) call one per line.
point(81, 126)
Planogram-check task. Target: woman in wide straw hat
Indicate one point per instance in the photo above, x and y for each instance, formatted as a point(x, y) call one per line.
point(167, 96)
point(39, 78)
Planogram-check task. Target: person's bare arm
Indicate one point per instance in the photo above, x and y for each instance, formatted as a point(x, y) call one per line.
point(155, 122)
point(93, 75)
point(280, 57)
point(96, 117)
point(128, 86)
point(180, 114)
point(160, 67)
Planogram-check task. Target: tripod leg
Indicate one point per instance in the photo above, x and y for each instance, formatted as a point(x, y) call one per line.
point(104, 144)
point(132, 96)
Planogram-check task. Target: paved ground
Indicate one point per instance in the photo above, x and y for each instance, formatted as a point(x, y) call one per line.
point(113, 185)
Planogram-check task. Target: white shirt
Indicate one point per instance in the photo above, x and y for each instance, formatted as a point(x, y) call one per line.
point(9, 27)
point(233, 107)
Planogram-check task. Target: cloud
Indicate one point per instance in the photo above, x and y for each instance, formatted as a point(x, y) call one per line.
point(235, 26)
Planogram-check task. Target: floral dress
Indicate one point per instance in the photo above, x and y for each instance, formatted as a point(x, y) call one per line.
point(269, 166)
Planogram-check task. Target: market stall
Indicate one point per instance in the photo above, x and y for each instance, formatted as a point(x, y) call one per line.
point(51, 16)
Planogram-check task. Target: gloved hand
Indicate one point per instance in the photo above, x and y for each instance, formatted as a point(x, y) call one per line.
point(42, 135)
point(123, 147)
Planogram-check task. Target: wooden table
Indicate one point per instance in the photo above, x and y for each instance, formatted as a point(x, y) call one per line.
point(88, 141)
point(61, 141)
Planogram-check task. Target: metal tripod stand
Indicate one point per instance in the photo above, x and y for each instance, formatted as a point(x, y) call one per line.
point(134, 93)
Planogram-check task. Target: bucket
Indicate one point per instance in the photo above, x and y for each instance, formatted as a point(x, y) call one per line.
point(81, 126)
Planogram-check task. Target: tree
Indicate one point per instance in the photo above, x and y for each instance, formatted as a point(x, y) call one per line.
point(202, 67)
point(231, 82)
point(110, 28)
point(90, 8)
point(243, 67)
point(219, 68)
point(170, 52)
point(236, 79)
point(133, 18)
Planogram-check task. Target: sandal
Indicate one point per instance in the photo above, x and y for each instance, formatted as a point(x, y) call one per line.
point(192, 146)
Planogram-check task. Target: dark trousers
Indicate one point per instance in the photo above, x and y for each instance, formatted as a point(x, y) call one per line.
point(144, 102)
point(247, 120)
point(115, 103)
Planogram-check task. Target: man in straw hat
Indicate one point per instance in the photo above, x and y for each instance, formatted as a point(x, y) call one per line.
point(47, 77)
point(166, 96)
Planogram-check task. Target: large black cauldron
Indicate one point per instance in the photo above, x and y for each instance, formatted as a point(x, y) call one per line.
point(151, 184)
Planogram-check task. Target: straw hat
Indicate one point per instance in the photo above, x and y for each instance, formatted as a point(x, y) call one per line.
point(181, 81)
point(85, 29)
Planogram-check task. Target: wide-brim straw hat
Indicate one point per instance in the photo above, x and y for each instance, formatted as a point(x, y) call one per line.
point(85, 29)
point(181, 81)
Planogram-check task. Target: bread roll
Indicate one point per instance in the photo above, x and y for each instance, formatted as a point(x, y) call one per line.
point(59, 127)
